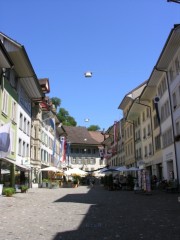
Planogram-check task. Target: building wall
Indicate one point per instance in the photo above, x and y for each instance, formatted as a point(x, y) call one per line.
point(23, 127)
point(10, 115)
point(88, 160)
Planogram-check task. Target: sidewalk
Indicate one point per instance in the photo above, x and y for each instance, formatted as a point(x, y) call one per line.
point(83, 213)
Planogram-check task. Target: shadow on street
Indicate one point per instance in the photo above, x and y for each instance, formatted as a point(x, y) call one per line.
point(125, 215)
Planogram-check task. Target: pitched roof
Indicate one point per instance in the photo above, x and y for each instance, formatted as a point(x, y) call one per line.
point(98, 136)
point(80, 135)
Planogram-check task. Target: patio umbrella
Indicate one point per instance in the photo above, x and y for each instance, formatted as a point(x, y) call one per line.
point(50, 169)
point(75, 171)
point(132, 169)
point(110, 171)
point(103, 169)
point(121, 168)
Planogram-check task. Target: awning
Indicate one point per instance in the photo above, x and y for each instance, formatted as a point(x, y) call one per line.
point(17, 164)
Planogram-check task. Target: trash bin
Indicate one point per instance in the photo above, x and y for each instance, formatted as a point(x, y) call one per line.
point(1, 188)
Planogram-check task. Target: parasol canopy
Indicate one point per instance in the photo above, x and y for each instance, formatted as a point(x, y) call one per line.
point(132, 169)
point(75, 171)
point(121, 168)
point(110, 171)
point(50, 169)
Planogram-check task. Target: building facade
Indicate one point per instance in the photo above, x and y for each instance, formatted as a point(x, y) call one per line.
point(85, 149)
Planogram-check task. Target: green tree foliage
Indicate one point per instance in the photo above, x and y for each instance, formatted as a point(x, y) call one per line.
point(63, 114)
point(56, 101)
point(65, 118)
point(93, 128)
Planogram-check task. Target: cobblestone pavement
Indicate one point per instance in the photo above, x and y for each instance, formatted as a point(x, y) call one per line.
point(83, 213)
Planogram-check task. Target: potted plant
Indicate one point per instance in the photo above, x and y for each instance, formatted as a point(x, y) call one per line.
point(75, 183)
point(24, 188)
point(54, 184)
point(45, 182)
point(9, 191)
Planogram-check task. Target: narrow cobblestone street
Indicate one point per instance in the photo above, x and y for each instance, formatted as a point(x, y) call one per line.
point(83, 213)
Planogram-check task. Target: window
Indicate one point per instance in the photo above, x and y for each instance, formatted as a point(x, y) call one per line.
point(21, 121)
point(13, 111)
point(45, 156)
point(174, 100)
point(13, 79)
point(177, 128)
point(27, 150)
point(139, 135)
point(139, 152)
point(177, 66)
point(42, 155)
point(165, 111)
point(145, 151)
point(94, 151)
point(13, 141)
point(35, 152)
point(5, 102)
point(150, 149)
point(136, 136)
point(24, 125)
point(157, 142)
point(149, 130)
point(46, 139)
point(160, 91)
point(81, 150)
point(167, 138)
point(28, 128)
point(162, 87)
point(77, 150)
point(24, 149)
point(162, 113)
point(136, 156)
point(19, 147)
point(144, 133)
point(156, 124)
point(42, 136)
point(171, 76)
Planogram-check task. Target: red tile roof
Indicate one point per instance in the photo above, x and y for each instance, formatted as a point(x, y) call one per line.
point(80, 135)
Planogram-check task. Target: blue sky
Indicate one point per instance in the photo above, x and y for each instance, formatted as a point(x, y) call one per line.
point(119, 41)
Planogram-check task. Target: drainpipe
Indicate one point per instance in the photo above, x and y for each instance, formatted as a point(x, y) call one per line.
point(172, 118)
